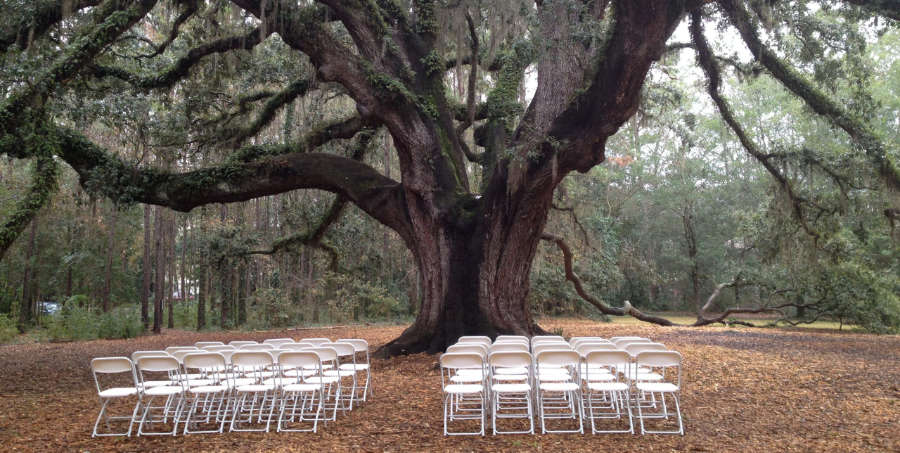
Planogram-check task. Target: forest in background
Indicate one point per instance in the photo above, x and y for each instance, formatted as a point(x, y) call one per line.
point(678, 217)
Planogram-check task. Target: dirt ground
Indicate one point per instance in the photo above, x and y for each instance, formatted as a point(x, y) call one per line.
point(744, 390)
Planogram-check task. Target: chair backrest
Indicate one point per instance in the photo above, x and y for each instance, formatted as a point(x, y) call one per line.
point(508, 347)
point(206, 361)
point(636, 348)
point(613, 339)
point(315, 341)
point(551, 342)
point(343, 349)
point(226, 347)
point(278, 341)
point(470, 348)
point(239, 343)
point(138, 354)
point(619, 360)
point(110, 366)
point(296, 346)
point(510, 359)
point(174, 349)
point(252, 359)
point(359, 345)
point(256, 347)
point(326, 355)
point(460, 360)
point(300, 359)
point(557, 358)
point(622, 343)
point(585, 348)
point(204, 344)
point(512, 341)
point(510, 337)
point(658, 359)
point(158, 364)
point(546, 337)
point(474, 340)
point(580, 340)
point(539, 348)
point(179, 355)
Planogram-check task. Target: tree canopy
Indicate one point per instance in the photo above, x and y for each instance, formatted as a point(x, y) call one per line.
point(489, 106)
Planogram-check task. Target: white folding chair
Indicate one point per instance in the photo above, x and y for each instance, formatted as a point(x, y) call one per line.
point(605, 396)
point(174, 349)
point(315, 341)
point(154, 369)
point(309, 396)
point(508, 347)
point(109, 367)
point(206, 383)
point(277, 342)
point(362, 363)
point(511, 395)
point(256, 347)
point(328, 360)
point(558, 398)
point(239, 343)
point(345, 368)
point(462, 401)
point(667, 364)
point(256, 400)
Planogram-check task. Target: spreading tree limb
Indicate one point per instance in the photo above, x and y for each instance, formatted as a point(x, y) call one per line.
point(819, 102)
point(45, 14)
point(43, 186)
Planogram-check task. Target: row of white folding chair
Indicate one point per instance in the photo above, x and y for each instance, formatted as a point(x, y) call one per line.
point(173, 380)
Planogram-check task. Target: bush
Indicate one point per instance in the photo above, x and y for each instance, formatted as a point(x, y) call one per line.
point(8, 330)
point(75, 322)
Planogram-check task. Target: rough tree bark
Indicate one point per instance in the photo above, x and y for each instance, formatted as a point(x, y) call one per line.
point(147, 270)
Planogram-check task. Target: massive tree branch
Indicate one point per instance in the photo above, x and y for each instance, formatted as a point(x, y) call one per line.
point(191, 7)
point(43, 15)
point(234, 137)
point(114, 18)
point(819, 102)
point(181, 66)
point(290, 167)
point(43, 185)
point(711, 68)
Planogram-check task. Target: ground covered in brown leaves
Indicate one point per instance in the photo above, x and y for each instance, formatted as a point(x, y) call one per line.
point(744, 390)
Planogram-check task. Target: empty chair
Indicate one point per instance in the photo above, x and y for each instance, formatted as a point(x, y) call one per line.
point(254, 401)
point(109, 367)
point(511, 337)
point(219, 348)
point(151, 369)
point(538, 338)
point(315, 341)
point(328, 359)
point(206, 383)
point(346, 355)
point(668, 365)
point(511, 395)
point(462, 401)
point(508, 347)
point(296, 346)
point(239, 343)
point(301, 401)
point(605, 396)
point(174, 349)
point(362, 362)
point(204, 344)
point(474, 339)
point(558, 399)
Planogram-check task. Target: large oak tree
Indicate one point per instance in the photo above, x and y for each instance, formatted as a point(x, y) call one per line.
point(471, 213)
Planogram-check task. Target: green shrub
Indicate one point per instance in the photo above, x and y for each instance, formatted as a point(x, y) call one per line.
point(121, 322)
point(75, 322)
point(8, 330)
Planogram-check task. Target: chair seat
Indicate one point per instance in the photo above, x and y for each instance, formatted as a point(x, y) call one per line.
point(301, 387)
point(510, 388)
point(118, 392)
point(649, 377)
point(470, 372)
point(321, 379)
point(357, 366)
point(463, 388)
point(148, 384)
point(255, 388)
point(598, 377)
point(607, 386)
point(163, 390)
point(341, 373)
point(511, 370)
point(237, 382)
point(656, 387)
point(300, 372)
point(201, 382)
point(463, 378)
point(209, 389)
point(554, 377)
point(559, 386)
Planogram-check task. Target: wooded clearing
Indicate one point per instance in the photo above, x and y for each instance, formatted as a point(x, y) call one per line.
point(744, 390)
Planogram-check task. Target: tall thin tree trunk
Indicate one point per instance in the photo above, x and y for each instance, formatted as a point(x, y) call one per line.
point(110, 248)
point(201, 296)
point(172, 281)
point(159, 286)
point(26, 309)
point(147, 271)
